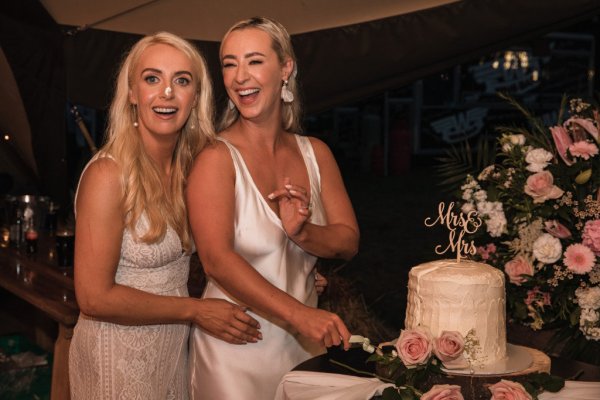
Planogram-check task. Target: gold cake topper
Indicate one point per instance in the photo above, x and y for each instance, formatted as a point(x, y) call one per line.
point(468, 223)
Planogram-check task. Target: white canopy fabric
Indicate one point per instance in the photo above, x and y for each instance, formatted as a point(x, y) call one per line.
point(69, 50)
point(210, 19)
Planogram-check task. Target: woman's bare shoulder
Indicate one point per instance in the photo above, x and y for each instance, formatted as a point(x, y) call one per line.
point(214, 152)
point(321, 149)
point(102, 171)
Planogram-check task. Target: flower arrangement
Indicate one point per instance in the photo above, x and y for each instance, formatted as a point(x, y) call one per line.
point(540, 202)
point(416, 356)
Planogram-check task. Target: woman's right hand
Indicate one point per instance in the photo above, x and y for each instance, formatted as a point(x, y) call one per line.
point(321, 326)
point(227, 321)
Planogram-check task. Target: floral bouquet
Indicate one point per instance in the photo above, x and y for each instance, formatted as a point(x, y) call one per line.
point(540, 202)
point(417, 363)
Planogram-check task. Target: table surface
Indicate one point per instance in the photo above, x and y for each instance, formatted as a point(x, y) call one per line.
point(356, 358)
point(37, 279)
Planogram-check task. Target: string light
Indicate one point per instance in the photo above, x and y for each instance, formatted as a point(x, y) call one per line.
point(515, 60)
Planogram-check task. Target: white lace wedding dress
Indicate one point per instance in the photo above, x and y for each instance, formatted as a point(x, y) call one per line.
point(112, 361)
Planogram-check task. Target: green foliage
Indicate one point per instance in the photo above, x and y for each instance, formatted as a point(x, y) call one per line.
point(458, 162)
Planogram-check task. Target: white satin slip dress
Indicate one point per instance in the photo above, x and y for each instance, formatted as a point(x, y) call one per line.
point(220, 370)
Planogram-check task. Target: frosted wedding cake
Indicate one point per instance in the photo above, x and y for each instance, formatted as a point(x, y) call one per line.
point(466, 297)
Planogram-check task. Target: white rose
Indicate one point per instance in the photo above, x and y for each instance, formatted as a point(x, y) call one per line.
point(547, 248)
point(509, 141)
point(538, 159)
point(496, 224)
point(517, 139)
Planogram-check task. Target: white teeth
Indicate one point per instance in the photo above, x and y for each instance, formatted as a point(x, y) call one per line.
point(164, 110)
point(246, 92)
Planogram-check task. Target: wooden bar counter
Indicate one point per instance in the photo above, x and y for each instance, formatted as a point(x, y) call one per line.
point(39, 281)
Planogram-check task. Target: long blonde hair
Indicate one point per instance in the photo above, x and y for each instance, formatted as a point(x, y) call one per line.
point(281, 43)
point(144, 192)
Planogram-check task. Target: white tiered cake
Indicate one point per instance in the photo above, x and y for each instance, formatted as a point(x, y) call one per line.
point(448, 296)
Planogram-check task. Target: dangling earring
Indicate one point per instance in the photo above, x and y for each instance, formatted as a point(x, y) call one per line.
point(230, 104)
point(135, 122)
point(286, 94)
point(192, 118)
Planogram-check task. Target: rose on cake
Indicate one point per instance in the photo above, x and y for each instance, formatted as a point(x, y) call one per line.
point(443, 392)
point(411, 360)
point(414, 346)
point(449, 348)
point(509, 390)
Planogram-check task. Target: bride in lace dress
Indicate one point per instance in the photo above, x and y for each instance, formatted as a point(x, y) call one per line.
point(133, 243)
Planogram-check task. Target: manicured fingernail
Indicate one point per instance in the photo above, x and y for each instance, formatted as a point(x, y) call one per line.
point(293, 191)
point(288, 186)
point(271, 196)
point(259, 336)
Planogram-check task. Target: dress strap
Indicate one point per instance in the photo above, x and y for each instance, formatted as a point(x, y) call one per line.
point(310, 160)
point(235, 156)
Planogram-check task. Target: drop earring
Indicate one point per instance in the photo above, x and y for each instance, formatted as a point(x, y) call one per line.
point(286, 94)
point(191, 119)
point(230, 104)
point(134, 109)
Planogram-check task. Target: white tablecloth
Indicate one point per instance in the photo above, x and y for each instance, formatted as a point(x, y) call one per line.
point(303, 385)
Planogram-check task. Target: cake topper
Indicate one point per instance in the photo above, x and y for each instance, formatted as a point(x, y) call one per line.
point(468, 224)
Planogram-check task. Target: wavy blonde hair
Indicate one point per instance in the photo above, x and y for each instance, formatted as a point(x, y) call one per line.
point(281, 43)
point(144, 191)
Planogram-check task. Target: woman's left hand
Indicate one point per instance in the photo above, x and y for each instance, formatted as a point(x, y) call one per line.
point(294, 207)
point(320, 283)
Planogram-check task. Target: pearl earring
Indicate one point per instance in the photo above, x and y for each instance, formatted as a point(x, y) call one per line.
point(286, 94)
point(135, 122)
point(230, 104)
point(192, 119)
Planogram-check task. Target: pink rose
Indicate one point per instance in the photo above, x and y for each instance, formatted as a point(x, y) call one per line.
point(579, 258)
point(562, 141)
point(414, 346)
point(509, 390)
point(591, 235)
point(517, 267)
point(449, 349)
point(540, 186)
point(443, 392)
point(557, 229)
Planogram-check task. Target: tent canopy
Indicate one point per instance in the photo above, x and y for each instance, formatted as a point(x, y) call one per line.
point(346, 49)
point(209, 20)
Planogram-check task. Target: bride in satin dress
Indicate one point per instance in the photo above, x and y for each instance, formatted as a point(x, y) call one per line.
point(132, 243)
point(264, 203)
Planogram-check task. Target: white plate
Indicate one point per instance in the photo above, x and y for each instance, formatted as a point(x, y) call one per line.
point(517, 359)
